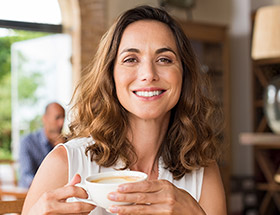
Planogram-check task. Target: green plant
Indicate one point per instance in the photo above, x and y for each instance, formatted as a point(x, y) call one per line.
point(26, 90)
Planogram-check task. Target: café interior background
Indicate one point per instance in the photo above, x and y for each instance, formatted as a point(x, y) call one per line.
point(236, 16)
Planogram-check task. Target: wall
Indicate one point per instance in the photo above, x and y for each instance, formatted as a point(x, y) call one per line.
point(116, 7)
point(205, 11)
point(255, 4)
point(239, 33)
point(236, 14)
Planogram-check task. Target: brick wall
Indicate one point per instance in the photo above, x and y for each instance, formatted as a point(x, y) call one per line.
point(85, 21)
point(93, 26)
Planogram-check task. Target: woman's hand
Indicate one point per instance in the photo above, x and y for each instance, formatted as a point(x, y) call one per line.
point(50, 188)
point(54, 202)
point(154, 197)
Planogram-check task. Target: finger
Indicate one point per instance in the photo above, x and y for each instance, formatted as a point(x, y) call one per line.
point(75, 180)
point(86, 213)
point(74, 208)
point(145, 186)
point(71, 191)
point(49, 204)
point(66, 192)
point(141, 209)
point(140, 198)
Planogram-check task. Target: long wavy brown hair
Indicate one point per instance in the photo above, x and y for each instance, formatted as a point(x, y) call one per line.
point(192, 137)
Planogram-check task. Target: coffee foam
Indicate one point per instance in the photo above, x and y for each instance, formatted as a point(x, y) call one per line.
point(116, 179)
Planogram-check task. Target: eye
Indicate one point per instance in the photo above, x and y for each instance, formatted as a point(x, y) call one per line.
point(130, 60)
point(164, 60)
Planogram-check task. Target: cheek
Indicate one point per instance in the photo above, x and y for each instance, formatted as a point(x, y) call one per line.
point(121, 85)
point(123, 78)
point(175, 78)
point(116, 80)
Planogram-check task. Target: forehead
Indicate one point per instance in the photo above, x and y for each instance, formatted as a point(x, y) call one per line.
point(147, 32)
point(55, 109)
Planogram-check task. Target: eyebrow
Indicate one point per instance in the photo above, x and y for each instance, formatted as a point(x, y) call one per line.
point(158, 51)
point(130, 50)
point(161, 50)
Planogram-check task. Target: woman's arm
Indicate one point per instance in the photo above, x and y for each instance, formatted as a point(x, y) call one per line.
point(49, 189)
point(212, 198)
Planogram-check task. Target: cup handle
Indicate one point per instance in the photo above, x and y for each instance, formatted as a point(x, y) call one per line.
point(76, 199)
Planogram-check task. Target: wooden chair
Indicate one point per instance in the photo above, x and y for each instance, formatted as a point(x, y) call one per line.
point(13, 206)
point(15, 192)
point(9, 188)
point(12, 164)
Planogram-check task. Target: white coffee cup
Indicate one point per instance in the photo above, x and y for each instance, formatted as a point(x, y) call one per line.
point(99, 185)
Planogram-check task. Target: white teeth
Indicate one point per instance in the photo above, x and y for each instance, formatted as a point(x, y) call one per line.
point(148, 93)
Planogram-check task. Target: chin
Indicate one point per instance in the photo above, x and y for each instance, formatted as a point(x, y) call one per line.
point(150, 116)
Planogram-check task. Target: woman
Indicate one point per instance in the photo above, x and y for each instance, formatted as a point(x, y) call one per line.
point(142, 106)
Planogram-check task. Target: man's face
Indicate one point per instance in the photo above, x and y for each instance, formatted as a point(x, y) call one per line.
point(54, 119)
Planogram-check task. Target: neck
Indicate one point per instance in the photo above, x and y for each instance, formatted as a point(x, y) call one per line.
point(147, 136)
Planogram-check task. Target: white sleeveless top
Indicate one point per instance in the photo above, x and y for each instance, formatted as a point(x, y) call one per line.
point(79, 163)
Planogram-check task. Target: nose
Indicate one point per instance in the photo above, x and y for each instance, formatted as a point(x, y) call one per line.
point(148, 72)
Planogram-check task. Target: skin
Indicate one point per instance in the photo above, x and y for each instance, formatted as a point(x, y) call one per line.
point(53, 121)
point(145, 62)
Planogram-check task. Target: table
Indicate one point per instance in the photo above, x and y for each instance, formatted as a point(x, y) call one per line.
point(263, 142)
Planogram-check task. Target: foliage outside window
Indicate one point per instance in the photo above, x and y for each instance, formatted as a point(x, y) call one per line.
point(26, 90)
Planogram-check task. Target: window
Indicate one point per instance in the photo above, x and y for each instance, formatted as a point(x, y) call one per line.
point(40, 62)
point(33, 11)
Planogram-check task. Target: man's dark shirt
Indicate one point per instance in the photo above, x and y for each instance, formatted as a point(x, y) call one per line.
point(33, 149)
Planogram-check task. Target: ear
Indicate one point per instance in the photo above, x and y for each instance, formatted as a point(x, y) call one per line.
point(44, 118)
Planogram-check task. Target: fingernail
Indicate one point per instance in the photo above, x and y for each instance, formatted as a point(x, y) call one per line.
point(112, 196)
point(121, 188)
point(114, 209)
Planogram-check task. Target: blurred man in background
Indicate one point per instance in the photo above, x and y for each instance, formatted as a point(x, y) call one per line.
point(35, 146)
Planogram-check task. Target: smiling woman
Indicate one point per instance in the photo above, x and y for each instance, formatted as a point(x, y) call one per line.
point(143, 105)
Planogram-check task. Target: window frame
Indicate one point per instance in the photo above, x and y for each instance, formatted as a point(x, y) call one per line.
point(30, 26)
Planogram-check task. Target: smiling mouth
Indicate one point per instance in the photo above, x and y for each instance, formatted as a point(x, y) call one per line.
point(148, 93)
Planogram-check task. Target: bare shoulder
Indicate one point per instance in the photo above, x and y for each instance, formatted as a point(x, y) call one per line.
point(52, 174)
point(53, 170)
point(212, 198)
point(58, 155)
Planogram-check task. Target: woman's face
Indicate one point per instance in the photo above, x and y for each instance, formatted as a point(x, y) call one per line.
point(148, 71)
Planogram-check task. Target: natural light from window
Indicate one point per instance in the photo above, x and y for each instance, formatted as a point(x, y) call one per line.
point(38, 11)
point(39, 64)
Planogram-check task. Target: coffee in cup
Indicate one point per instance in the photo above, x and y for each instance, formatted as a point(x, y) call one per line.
point(116, 179)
